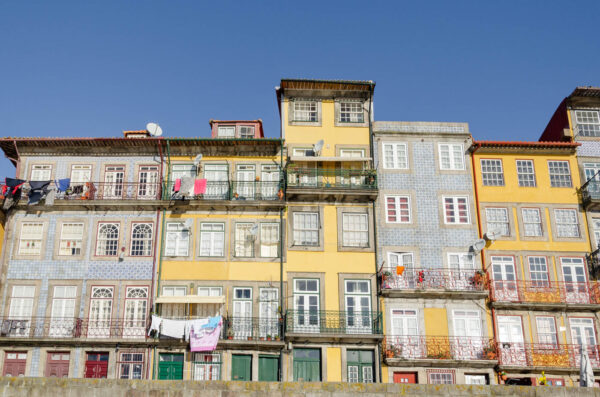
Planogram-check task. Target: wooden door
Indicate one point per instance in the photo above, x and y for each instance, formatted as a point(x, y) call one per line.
point(15, 364)
point(241, 367)
point(268, 368)
point(170, 366)
point(57, 365)
point(96, 365)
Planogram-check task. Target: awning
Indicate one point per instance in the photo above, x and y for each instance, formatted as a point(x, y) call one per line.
point(190, 299)
point(319, 158)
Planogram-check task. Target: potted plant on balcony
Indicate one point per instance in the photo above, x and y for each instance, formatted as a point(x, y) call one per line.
point(479, 278)
point(503, 375)
point(384, 279)
point(489, 352)
point(230, 334)
point(269, 337)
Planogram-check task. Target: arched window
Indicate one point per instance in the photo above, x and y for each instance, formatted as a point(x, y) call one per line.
point(108, 239)
point(141, 239)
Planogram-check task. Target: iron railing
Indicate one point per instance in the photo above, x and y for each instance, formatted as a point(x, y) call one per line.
point(545, 355)
point(252, 328)
point(229, 190)
point(331, 178)
point(542, 291)
point(109, 191)
point(590, 191)
point(418, 347)
point(433, 279)
point(593, 262)
point(47, 327)
point(333, 322)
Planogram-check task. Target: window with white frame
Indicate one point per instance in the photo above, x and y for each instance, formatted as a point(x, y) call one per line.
point(141, 239)
point(526, 173)
point(306, 111)
point(440, 377)
point(177, 239)
point(405, 259)
point(209, 291)
point(355, 230)
point(497, 221)
point(244, 240)
point(532, 222)
point(303, 151)
point(246, 132)
point(456, 210)
point(108, 239)
point(395, 156)
point(560, 174)
point(461, 261)
point(351, 112)
point(588, 122)
point(596, 225)
point(451, 156)
point(71, 239)
point(397, 209)
point(30, 241)
point(80, 174)
point(476, 379)
point(212, 239)
point(41, 172)
point(538, 271)
point(546, 331)
point(356, 153)
point(491, 172)
point(269, 240)
point(226, 131)
point(306, 228)
point(21, 301)
point(173, 291)
point(207, 366)
point(567, 224)
point(179, 171)
point(131, 365)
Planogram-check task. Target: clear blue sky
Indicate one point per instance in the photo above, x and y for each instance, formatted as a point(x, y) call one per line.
point(83, 68)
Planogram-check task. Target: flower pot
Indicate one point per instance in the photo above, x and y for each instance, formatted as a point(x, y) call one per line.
point(230, 337)
point(249, 338)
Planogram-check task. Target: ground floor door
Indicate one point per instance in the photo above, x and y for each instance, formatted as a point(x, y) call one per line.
point(241, 367)
point(405, 377)
point(57, 365)
point(15, 363)
point(307, 365)
point(96, 365)
point(170, 366)
point(268, 368)
point(360, 366)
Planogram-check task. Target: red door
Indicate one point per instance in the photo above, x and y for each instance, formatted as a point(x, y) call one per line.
point(96, 365)
point(405, 377)
point(15, 363)
point(57, 365)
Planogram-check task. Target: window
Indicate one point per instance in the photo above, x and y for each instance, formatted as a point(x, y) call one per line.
point(546, 330)
point(174, 291)
point(244, 240)
point(136, 303)
point(41, 172)
point(131, 365)
point(108, 239)
point(269, 240)
point(207, 366)
point(560, 173)
point(358, 306)
point(304, 152)
point(566, 223)
point(141, 239)
point(491, 172)
point(179, 171)
point(21, 302)
point(210, 291)
point(596, 225)
point(526, 173)
point(80, 174)
point(246, 132)
point(395, 156)
point(360, 366)
point(212, 239)
point(451, 156)
point(30, 242)
point(532, 222)
point(147, 187)
point(461, 261)
point(306, 111)
point(440, 377)
point(588, 122)
point(538, 271)
point(71, 238)
point(242, 293)
point(355, 230)
point(306, 228)
point(401, 259)
point(456, 210)
point(356, 153)
point(497, 220)
point(226, 131)
point(351, 112)
point(398, 209)
point(177, 239)
point(476, 379)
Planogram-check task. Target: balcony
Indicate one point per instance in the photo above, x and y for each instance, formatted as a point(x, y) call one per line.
point(433, 283)
point(320, 183)
point(327, 325)
point(528, 356)
point(590, 194)
point(545, 295)
point(239, 191)
point(441, 351)
point(593, 262)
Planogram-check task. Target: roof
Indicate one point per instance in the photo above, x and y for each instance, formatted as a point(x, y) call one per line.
point(336, 85)
point(524, 145)
point(586, 92)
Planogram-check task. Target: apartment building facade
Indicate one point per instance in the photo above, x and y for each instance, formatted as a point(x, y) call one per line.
point(543, 303)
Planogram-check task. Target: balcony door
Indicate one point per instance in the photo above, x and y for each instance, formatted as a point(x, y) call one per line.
point(306, 306)
point(408, 278)
point(62, 323)
point(268, 312)
point(582, 332)
point(136, 302)
point(217, 181)
point(269, 181)
point(242, 313)
point(148, 182)
point(462, 270)
point(246, 176)
point(468, 344)
point(113, 182)
point(358, 306)
point(510, 338)
point(405, 331)
point(575, 282)
point(100, 312)
point(505, 281)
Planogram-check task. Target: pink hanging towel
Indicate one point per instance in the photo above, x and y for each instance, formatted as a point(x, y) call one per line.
point(200, 186)
point(205, 339)
point(177, 185)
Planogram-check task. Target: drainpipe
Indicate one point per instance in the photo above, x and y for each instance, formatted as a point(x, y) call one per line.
point(281, 234)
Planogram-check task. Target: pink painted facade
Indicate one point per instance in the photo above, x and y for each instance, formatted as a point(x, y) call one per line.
point(248, 129)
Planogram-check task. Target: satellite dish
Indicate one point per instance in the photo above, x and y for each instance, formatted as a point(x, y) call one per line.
point(318, 146)
point(154, 129)
point(491, 236)
point(188, 223)
point(254, 230)
point(477, 246)
point(197, 160)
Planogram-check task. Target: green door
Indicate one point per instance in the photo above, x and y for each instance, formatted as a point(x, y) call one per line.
point(241, 367)
point(360, 366)
point(307, 365)
point(170, 366)
point(268, 368)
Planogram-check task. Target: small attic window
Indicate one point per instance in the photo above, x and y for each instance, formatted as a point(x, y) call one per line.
point(246, 132)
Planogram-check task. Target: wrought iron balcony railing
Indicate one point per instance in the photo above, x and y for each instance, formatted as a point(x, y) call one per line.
point(552, 292)
point(229, 190)
point(110, 191)
point(47, 327)
point(331, 178)
point(333, 322)
point(590, 191)
point(545, 355)
point(252, 328)
point(418, 347)
point(433, 279)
